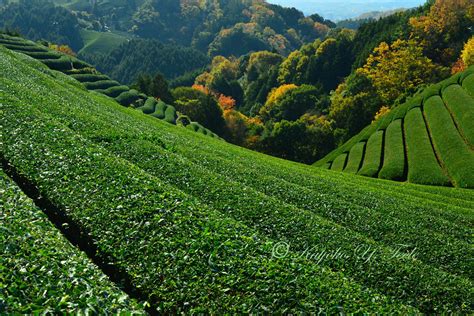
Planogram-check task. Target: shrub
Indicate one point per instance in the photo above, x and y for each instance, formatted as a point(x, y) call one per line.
point(194, 240)
point(423, 167)
point(170, 114)
point(450, 81)
point(114, 92)
point(160, 110)
point(60, 64)
point(87, 70)
point(403, 109)
point(16, 42)
point(102, 84)
point(339, 163)
point(468, 84)
point(394, 153)
point(431, 91)
point(43, 55)
point(89, 77)
point(373, 155)
point(460, 104)
point(466, 74)
point(355, 158)
point(149, 106)
point(457, 157)
point(130, 212)
point(128, 97)
point(193, 126)
point(79, 64)
point(25, 48)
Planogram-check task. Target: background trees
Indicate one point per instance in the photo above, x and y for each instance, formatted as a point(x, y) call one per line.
point(200, 107)
point(41, 20)
point(156, 86)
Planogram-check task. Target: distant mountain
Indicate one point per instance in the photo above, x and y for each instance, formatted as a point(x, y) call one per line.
point(348, 9)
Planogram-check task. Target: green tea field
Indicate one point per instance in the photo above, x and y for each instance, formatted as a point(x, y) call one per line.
point(428, 140)
point(125, 212)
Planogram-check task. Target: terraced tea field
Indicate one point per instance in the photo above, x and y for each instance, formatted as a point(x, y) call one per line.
point(92, 80)
point(188, 223)
point(428, 140)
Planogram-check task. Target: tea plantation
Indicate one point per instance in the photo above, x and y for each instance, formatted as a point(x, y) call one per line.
point(91, 79)
point(427, 140)
point(191, 224)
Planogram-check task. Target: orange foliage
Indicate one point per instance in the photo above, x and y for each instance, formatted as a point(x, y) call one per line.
point(62, 49)
point(458, 66)
point(226, 103)
point(201, 88)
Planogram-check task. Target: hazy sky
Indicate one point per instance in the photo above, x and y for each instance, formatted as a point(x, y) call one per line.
point(343, 9)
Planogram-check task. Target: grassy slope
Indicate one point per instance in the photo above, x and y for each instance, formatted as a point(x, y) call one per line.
point(91, 79)
point(456, 95)
point(278, 200)
point(100, 42)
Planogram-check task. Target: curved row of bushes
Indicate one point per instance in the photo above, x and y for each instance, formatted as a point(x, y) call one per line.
point(415, 143)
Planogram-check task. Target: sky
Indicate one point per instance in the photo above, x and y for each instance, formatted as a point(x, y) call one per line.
point(344, 9)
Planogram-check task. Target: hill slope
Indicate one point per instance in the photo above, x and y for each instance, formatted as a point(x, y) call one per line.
point(199, 225)
point(81, 72)
point(428, 140)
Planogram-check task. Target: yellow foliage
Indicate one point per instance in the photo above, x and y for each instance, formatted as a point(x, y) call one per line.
point(277, 93)
point(467, 54)
point(398, 68)
point(384, 110)
point(204, 79)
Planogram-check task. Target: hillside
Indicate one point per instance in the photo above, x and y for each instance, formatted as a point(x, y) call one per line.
point(192, 224)
point(427, 140)
point(85, 76)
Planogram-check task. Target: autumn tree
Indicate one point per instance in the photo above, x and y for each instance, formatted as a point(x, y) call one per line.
point(444, 29)
point(398, 69)
point(292, 103)
point(354, 104)
point(222, 78)
point(273, 99)
point(467, 54)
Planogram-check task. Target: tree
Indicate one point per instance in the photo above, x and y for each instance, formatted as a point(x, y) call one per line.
point(222, 78)
point(467, 54)
point(399, 69)
point(200, 107)
point(444, 29)
point(157, 86)
point(292, 104)
point(354, 104)
point(273, 98)
point(305, 140)
point(62, 49)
